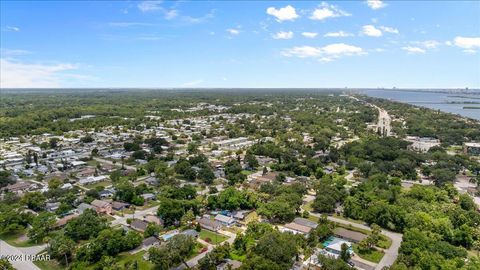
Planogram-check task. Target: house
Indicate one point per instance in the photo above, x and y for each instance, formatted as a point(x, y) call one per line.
point(92, 180)
point(305, 222)
point(209, 224)
point(67, 186)
point(334, 247)
point(191, 232)
point(149, 242)
point(63, 221)
point(103, 207)
point(18, 187)
point(422, 144)
point(148, 196)
point(349, 235)
point(312, 262)
point(296, 228)
point(52, 207)
point(471, 148)
point(229, 264)
point(119, 206)
point(153, 219)
point(139, 225)
point(152, 181)
point(86, 172)
point(258, 178)
point(106, 193)
point(225, 220)
point(240, 215)
point(84, 206)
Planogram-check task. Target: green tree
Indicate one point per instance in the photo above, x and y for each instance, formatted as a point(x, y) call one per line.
point(41, 226)
point(61, 248)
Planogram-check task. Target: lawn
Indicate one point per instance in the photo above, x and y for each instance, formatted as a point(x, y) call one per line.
point(385, 242)
point(126, 257)
point(348, 219)
point(370, 255)
point(13, 239)
point(247, 172)
point(215, 238)
point(99, 184)
point(49, 265)
point(197, 250)
point(308, 206)
point(238, 257)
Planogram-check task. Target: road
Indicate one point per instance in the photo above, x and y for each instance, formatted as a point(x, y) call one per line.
point(123, 220)
point(21, 264)
point(391, 253)
point(384, 120)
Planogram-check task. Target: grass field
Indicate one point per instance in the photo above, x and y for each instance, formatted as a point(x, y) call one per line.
point(371, 255)
point(125, 257)
point(13, 239)
point(215, 238)
point(49, 265)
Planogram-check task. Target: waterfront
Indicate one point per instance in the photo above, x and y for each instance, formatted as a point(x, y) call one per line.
point(446, 102)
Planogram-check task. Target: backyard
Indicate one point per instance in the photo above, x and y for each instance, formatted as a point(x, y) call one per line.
point(215, 238)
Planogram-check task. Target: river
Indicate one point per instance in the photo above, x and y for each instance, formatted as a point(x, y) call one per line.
point(443, 101)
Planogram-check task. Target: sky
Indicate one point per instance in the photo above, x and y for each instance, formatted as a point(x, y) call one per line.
point(202, 44)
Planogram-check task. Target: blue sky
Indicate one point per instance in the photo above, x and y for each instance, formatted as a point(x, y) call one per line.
point(240, 44)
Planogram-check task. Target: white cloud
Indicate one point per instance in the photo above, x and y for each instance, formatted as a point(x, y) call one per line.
point(11, 29)
point(15, 74)
point(150, 6)
point(413, 50)
point(10, 52)
point(338, 34)
point(283, 35)
point(192, 83)
point(170, 14)
point(389, 29)
point(324, 54)
point(309, 34)
point(128, 24)
point(233, 31)
point(204, 18)
point(147, 6)
point(376, 4)
point(371, 31)
point(429, 44)
point(287, 13)
point(469, 43)
point(327, 11)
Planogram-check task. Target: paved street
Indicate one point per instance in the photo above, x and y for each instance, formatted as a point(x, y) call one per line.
point(6, 250)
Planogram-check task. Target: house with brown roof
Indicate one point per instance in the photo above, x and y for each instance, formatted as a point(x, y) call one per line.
point(63, 221)
point(18, 187)
point(139, 225)
point(119, 206)
point(102, 207)
point(153, 219)
point(207, 223)
point(296, 228)
point(349, 235)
